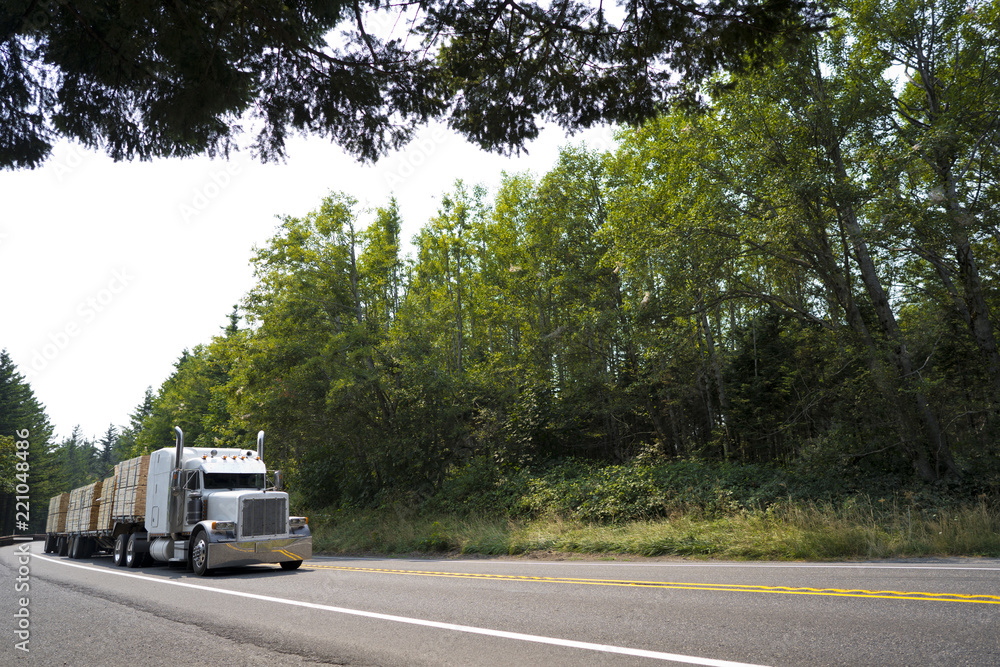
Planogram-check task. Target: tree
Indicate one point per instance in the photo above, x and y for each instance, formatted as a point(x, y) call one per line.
point(178, 79)
point(128, 440)
point(309, 370)
point(23, 419)
point(446, 261)
point(779, 182)
point(946, 133)
point(582, 328)
point(190, 398)
point(818, 125)
point(672, 232)
point(381, 267)
point(77, 459)
point(109, 454)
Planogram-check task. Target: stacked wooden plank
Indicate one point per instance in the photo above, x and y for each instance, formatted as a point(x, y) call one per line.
point(107, 503)
point(58, 507)
point(130, 493)
point(74, 511)
point(91, 499)
point(83, 510)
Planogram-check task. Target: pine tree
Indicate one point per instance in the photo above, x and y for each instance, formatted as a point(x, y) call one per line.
point(178, 79)
point(23, 419)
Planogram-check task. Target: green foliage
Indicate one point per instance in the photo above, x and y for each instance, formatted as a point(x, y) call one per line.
point(23, 420)
point(578, 491)
point(190, 398)
point(181, 79)
point(799, 278)
point(845, 527)
point(8, 459)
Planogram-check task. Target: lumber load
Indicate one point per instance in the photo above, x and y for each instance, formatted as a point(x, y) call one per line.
point(58, 507)
point(91, 506)
point(82, 514)
point(105, 522)
point(73, 513)
point(130, 494)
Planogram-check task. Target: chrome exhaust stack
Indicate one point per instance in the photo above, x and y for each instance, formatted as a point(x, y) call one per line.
point(180, 446)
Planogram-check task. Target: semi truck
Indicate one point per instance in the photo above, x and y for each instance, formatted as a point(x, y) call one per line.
point(199, 506)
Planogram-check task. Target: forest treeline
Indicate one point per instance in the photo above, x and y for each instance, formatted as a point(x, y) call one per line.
point(803, 272)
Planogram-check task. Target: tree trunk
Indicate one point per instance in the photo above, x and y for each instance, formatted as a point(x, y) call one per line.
point(979, 317)
point(933, 443)
point(716, 365)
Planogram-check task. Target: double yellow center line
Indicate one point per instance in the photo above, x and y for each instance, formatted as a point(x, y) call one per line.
point(689, 586)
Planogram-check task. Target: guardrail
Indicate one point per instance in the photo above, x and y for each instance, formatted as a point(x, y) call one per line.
point(8, 540)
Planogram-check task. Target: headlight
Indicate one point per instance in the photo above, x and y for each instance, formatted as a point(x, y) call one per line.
point(223, 525)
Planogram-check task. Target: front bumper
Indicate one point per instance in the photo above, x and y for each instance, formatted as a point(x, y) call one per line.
point(280, 550)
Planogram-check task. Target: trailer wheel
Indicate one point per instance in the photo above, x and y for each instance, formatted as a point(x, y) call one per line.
point(88, 545)
point(62, 546)
point(118, 555)
point(199, 554)
point(74, 547)
point(50, 544)
point(132, 557)
point(290, 564)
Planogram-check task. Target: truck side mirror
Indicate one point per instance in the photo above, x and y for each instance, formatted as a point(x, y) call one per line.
point(277, 480)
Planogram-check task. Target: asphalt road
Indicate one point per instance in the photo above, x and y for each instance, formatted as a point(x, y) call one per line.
point(504, 612)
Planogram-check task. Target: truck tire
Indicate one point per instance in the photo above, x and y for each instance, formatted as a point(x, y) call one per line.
point(133, 558)
point(199, 554)
point(62, 545)
point(290, 564)
point(87, 547)
point(118, 554)
point(74, 547)
point(50, 543)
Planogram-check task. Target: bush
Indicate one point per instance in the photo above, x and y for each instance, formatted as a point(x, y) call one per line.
point(578, 490)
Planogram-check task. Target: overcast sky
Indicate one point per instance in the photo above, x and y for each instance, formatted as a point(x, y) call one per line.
point(111, 270)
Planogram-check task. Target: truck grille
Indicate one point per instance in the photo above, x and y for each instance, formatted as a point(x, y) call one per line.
point(263, 516)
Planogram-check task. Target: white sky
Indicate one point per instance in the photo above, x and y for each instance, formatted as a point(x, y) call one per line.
point(109, 271)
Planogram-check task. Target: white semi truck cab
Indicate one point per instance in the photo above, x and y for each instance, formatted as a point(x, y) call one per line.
point(212, 507)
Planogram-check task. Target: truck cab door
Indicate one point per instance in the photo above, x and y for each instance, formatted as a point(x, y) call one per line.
point(194, 505)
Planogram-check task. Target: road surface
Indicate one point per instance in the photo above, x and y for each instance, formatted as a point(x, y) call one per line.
point(503, 612)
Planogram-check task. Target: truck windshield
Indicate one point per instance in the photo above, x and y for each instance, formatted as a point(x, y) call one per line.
point(234, 480)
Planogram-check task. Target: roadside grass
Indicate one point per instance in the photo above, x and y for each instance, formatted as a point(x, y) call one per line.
point(859, 528)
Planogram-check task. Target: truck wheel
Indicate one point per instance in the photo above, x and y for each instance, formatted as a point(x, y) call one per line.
point(199, 554)
point(133, 558)
point(50, 543)
point(87, 546)
point(291, 564)
point(118, 555)
point(74, 547)
point(62, 546)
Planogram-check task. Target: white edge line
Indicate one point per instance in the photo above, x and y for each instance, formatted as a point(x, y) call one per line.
point(604, 648)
